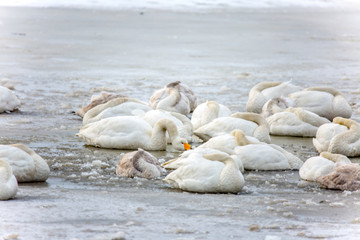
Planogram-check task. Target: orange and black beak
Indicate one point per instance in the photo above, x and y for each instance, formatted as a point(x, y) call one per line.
point(187, 146)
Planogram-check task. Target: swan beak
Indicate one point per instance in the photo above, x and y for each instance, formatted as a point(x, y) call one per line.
point(187, 146)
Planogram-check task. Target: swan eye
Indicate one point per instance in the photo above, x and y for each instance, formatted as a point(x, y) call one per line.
point(187, 146)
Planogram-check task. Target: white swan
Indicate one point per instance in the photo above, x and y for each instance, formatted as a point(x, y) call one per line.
point(27, 166)
point(183, 124)
point(195, 155)
point(174, 97)
point(228, 142)
point(325, 101)
point(324, 135)
point(120, 106)
point(8, 183)
point(291, 121)
point(131, 132)
point(104, 97)
point(341, 137)
point(139, 164)
point(8, 100)
point(263, 91)
point(344, 177)
point(267, 157)
point(213, 173)
point(208, 111)
point(251, 124)
point(318, 166)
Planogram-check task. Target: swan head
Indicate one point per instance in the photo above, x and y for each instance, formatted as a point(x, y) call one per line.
point(275, 105)
point(181, 144)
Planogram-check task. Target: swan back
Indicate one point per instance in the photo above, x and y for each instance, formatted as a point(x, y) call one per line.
point(8, 183)
point(210, 173)
point(208, 111)
point(264, 91)
point(27, 166)
point(95, 101)
point(139, 164)
point(118, 106)
point(325, 133)
point(266, 157)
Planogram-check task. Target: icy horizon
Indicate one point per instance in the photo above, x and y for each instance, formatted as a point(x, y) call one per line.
point(187, 5)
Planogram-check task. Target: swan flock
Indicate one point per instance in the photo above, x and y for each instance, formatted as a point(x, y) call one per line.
point(227, 143)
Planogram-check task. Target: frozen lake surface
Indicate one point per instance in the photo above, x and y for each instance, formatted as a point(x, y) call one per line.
point(57, 58)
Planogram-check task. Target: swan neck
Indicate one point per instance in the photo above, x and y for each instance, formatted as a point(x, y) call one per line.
point(160, 128)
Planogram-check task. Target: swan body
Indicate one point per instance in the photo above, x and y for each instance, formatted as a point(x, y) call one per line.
point(208, 111)
point(95, 101)
point(120, 106)
point(8, 183)
point(344, 177)
point(213, 173)
point(264, 91)
point(341, 137)
point(267, 157)
point(251, 124)
point(26, 165)
point(228, 142)
point(131, 132)
point(325, 101)
point(183, 124)
point(139, 164)
point(174, 97)
point(325, 133)
point(295, 122)
point(318, 166)
point(195, 155)
point(8, 100)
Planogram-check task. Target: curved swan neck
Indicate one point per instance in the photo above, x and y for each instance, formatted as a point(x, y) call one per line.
point(264, 85)
point(351, 124)
point(161, 127)
point(240, 138)
point(330, 90)
point(171, 100)
point(147, 169)
point(335, 157)
point(211, 113)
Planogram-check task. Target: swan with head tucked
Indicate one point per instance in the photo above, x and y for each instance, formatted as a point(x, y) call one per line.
point(8, 100)
point(263, 91)
point(139, 163)
point(104, 97)
point(132, 132)
point(26, 164)
point(120, 106)
point(211, 173)
point(174, 97)
point(267, 157)
point(325, 101)
point(183, 124)
point(318, 166)
point(291, 121)
point(341, 137)
point(195, 155)
point(252, 124)
point(228, 142)
point(344, 177)
point(208, 111)
point(8, 183)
